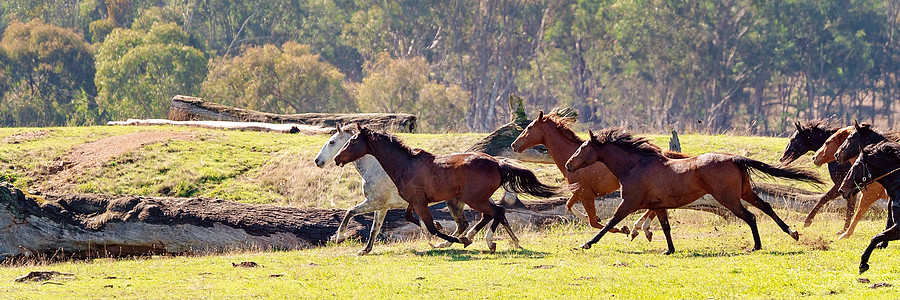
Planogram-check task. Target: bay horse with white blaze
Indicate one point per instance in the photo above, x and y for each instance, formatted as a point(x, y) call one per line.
point(652, 181)
point(422, 178)
point(877, 163)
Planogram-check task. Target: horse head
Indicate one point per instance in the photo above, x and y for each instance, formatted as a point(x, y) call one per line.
point(825, 154)
point(864, 135)
point(805, 139)
point(875, 162)
point(585, 155)
point(334, 144)
point(530, 136)
point(354, 148)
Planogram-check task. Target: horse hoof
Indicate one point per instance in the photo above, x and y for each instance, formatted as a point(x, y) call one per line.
point(795, 235)
point(492, 247)
point(465, 241)
point(649, 236)
point(881, 245)
point(625, 230)
point(363, 252)
point(444, 244)
point(668, 252)
point(807, 223)
point(336, 239)
point(843, 236)
point(840, 232)
point(585, 246)
point(863, 268)
point(634, 234)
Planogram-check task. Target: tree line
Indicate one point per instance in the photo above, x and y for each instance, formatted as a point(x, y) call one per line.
point(651, 65)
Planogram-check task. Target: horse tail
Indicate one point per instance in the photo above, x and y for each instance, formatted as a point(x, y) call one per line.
point(520, 180)
point(748, 165)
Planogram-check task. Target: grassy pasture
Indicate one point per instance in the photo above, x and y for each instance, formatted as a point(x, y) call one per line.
point(278, 169)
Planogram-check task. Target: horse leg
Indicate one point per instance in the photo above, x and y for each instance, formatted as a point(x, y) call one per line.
point(513, 239)
point(377, 222)
point(866, 200)
point(623, 211)
point(571, 202)
point(891, 234)
point(587, 201)
point(456, 211)
point(828, 196)
point(485, 218)
point(751, 197)
point(667, 231)
point(741, 212)
point(499, 214)
point(893, 212)
point(848, 215)
point(362, 208)
point(644, 224)
point(428, 222)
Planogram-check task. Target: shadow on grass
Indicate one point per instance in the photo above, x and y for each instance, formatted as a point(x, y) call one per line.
point(720, 253)
point(466, 255)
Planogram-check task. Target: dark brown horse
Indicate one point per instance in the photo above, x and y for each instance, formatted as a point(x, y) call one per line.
point(422, 178)
point(810, 136)
point(877, 163)
point(590, 182)
point(863, 136)
point(652, 181)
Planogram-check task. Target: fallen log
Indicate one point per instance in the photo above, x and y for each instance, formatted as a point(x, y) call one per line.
point(56, 227)
point(186, 108)
point(250, 126)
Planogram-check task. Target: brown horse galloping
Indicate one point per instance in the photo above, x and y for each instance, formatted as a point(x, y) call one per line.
point(590, 182)
point(652, 181)
point(422, 178)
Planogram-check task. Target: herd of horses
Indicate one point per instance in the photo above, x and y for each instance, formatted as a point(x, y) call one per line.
point(860, 161)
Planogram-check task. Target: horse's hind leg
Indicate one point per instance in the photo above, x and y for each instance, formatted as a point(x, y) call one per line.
point(513, 239)
point(828, 196)
point(667, 231)
point(369, 205)
point(866, 199)
point(643, 223)
point(485, 218)
point(458, 214)
point(377, 222)
point(741, 212)
point(752, 198)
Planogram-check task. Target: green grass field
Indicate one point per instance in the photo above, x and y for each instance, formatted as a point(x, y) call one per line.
point(278, 169)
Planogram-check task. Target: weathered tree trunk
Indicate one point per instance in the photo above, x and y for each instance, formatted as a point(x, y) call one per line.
point(186, 108)
point(92, 225)
point(249, 126)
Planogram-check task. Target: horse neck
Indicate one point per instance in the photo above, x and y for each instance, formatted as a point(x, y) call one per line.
point(392, 158)
point(559, 147)
point(618, 160)
point(369, 167)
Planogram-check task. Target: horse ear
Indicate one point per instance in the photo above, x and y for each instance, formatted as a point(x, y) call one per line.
point(338, 126)
point(593, 137)
point(856, 124)
point(797, 123)
point(540, 114)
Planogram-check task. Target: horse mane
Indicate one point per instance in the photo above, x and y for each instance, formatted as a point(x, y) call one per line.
point(562, 124)
point(638, 145)
point(378, 135)
point(818, 124)
point(884, 147)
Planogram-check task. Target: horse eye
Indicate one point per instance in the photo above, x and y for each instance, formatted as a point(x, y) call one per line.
point(331, 142)
point(864, 178)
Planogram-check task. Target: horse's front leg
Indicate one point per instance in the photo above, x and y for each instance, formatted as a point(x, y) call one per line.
point(377, 222)
point(663, 216)
point(828, 196)
point(369, 205)
point(625, 209)
point(891, 234)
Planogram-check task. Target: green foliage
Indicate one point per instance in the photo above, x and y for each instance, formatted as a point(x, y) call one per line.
point(139, 71)
point(290, 79)
point(50, 69)
point(403, 85)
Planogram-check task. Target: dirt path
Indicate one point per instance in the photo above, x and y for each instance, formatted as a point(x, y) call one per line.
point(66, 170)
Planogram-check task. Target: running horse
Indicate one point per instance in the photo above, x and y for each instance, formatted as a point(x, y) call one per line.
point(867, 197)
point(879, 163)
point(381, 194)
point(653, 181)
point(810, 136)
point(588, 183)
point(422, 178)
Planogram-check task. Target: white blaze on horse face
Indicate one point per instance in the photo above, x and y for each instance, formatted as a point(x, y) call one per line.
point(332, 147)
